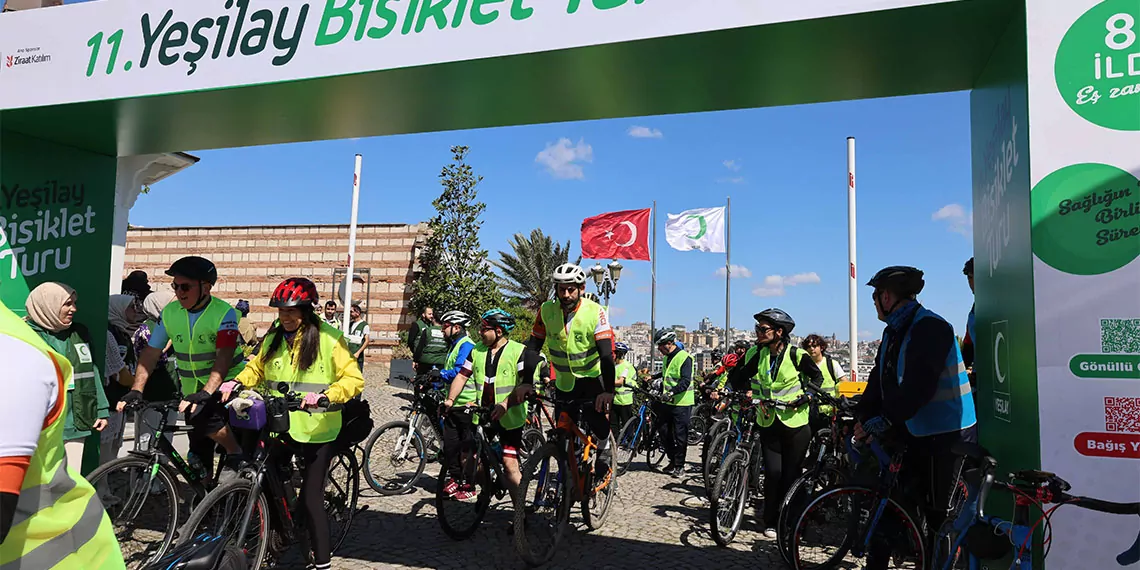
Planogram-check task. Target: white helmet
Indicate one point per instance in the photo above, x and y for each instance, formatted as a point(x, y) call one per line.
point(455, 318)
point(592, 296)
point(569, 274)
point(665, 336)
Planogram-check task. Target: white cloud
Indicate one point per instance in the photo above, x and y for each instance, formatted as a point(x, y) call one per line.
point(732, 165)
point(776, 285)
point(562, 159)
point(732, 180)
point(957, 219)
point(639, 132)
point(617, 312)
point(737, 271)
point(868, 335)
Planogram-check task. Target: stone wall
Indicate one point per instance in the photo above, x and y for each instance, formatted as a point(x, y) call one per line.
point(252, 260)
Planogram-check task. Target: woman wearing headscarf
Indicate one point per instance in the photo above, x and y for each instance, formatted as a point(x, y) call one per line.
point(162, 384)
point(51, 308)
point(124, 315)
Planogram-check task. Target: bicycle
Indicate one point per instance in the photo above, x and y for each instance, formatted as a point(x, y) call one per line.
point(568, 451)
point(482, 468)
point(740, 467)
point(970, 537)
point(722, 438)
point(639, 435)
point(268, 487)
point(532, 436)
point(145, 476)
point(407, 455)
point(702, 415)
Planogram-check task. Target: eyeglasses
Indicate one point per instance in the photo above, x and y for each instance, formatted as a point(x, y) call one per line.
point(763, 329)
point(184, 287)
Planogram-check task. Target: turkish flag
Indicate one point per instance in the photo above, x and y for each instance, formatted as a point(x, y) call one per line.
point(617, 235)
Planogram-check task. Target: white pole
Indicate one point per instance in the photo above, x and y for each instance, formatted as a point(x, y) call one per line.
point(727, 269)
point(852, 285)
point(653, 293)
point(348, 277)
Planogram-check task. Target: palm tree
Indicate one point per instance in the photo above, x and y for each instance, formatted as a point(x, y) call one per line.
point(526, 274)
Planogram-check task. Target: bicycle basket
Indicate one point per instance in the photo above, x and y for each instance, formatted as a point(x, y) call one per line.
point(252, 418)
point(356, 421)
point(277, 412)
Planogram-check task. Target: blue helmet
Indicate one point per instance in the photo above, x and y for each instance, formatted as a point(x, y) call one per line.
point(498, 318)
point(621, 347)
point(242, 307)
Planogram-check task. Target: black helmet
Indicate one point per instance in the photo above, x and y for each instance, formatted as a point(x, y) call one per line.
point(194, 267)
point(901, 279)
point(777, 317)
point(969, 268)
point(741, 344)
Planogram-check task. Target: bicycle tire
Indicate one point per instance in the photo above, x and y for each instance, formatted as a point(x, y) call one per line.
point(714, 430)
point(697, 427)
point(797, 496)
point(170, 486)
point(348, 506)
point(482, 501)
point(396, 488)
point(654, 450)
point(561, 489)
point(718, 451)
point(256, 558)
point(628, 442)
point(854, 526)
point(532, 439)
point(595, 515)
point(733, 474)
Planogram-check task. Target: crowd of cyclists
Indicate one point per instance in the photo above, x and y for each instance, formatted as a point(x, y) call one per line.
point(918, 392)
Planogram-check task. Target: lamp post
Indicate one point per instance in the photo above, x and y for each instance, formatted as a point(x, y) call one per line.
point(606, 278)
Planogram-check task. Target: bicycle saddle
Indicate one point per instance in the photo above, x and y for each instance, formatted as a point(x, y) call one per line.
point(973, 451)
point(1039, 478)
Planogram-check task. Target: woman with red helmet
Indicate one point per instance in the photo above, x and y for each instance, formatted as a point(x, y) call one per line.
point(313, 358)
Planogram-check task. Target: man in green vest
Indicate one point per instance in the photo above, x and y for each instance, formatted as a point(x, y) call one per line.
point(204, 332)
point(499, 372)
point(625, 382)
point(359, 336)
point(678, 390)
point(578, 334)
point(50, 516)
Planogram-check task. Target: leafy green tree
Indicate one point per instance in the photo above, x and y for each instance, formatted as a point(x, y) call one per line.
point(456, 273)
point(526, 273)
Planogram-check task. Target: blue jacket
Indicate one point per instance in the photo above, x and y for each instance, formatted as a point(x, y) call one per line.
point(449, 374)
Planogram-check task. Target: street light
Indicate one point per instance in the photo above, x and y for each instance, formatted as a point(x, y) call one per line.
point(606, 278)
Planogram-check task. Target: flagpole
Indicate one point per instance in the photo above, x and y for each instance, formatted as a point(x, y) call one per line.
point(653, 293)
point(852, 286)
point(727, 268)
point(348, 276)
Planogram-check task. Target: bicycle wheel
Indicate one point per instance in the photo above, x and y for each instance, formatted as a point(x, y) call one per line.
point(831, 530)
point(459, 517)
point(600, 490)
point(342, 487)
point(651, 443)
point(220, 514)
point(807, 486)
point(394, 458)
point(532, 439)
point(542, 505)
point(720, 447)
point(714, 429)
point(698, 425)
point(141, 499)
point(627, 443)
point(730, 494)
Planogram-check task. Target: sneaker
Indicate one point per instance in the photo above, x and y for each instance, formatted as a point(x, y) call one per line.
point(676, 472)
point(466, 491)
point(669, 468)
point(770, 533)
point(230, 469)
point(450, 488)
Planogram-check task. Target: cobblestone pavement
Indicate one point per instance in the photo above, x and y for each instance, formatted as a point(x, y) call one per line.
point(656, 522)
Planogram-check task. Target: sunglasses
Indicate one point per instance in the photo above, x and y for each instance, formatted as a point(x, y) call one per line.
point(184, 287)
point(762, 329)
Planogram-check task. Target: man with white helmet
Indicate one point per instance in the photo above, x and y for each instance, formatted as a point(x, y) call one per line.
point(577, 331)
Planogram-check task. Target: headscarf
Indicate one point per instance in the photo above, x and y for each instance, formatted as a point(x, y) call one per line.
point(156, 302)
point(45, 302)
point(117, 306)
point(136, 284)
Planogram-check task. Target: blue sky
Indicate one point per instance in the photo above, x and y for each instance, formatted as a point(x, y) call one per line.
point(783, 167)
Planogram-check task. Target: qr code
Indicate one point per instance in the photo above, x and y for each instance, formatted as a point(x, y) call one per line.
point(1122, 414)
point(1120, 335)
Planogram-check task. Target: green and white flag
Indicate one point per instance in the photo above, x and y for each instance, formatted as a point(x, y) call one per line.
point(701, 229)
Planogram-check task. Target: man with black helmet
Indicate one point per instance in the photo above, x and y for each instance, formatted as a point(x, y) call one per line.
point(677, 386)
point(919, 391)
point(204, 332)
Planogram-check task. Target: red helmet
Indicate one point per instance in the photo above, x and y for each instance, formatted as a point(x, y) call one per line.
point(729, 360)
point(294, 292)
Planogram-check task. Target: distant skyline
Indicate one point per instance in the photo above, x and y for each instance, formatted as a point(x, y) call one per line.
point(784, 167)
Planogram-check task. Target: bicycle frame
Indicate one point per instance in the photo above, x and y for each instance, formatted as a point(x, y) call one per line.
point(161, 451)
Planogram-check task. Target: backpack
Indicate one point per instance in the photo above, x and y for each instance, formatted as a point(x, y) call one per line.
point(356, 422)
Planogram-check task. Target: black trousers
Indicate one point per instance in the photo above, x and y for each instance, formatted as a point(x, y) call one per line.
point(673, 425)
point(458, 438)
point(316, 458)
point(618, 416)
point(784, 449)
point(585, 389)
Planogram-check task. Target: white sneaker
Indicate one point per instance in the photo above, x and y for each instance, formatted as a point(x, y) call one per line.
point(770, 533)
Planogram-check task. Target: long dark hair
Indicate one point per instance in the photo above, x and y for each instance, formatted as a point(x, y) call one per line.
point(310, 332)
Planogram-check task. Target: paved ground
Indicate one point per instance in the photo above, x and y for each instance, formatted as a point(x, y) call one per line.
point(657, 522)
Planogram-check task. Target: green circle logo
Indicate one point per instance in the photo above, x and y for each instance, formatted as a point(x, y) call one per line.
point(1086, 219)
point(1098, 65)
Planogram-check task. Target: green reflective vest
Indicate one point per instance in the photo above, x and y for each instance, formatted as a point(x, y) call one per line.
point(196, 350)
point(573, 352)
point(355, 335)
point(505, 380)
point(828, 384)
point(59, 523)
point(673, 376)
point(469, 393)
point(305, 427)
point(623, 395)
point(787, 386)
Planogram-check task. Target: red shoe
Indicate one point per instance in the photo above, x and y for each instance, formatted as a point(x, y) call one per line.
point(450, 488)
point(466, 492)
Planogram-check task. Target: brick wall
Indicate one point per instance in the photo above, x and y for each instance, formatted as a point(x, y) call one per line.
point(252, 260)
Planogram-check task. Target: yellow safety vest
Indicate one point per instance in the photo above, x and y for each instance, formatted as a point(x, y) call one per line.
point(306, 427)
point(673, 375)
point(785, 387)
point(506, 378)
point(195, 350)
point(574, 353)
point(623, 395)
point(59, 523)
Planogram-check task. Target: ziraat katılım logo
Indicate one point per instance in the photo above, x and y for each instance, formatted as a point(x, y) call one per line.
point(26, 56)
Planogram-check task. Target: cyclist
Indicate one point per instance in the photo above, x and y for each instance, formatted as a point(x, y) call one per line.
point(676, 411)
point(718, 378)
point(919, 390)
point(578, 334)
point(776, 370)
point(832, 372)
point(456, 425)
point(624, 383)
point(204, 333)
point(971, 338)
point(500, 372)
point(312, 357)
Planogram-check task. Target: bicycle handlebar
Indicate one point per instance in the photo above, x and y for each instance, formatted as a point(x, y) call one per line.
point(1100, 505)
point(293, 401)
